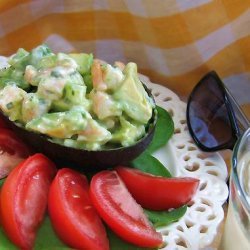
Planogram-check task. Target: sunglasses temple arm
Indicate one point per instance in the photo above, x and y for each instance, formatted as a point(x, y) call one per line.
point(244, 122)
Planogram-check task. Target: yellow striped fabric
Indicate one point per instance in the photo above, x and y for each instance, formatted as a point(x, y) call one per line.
point(174, 42)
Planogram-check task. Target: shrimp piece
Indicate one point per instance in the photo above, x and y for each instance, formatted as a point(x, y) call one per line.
point(97, 77)
point(30, 73)
point(120, 65)
point(112, 76)
point(104, 106)
point(94, 133)
point(11, 98)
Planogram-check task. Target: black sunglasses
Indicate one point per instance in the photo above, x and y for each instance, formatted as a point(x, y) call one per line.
point(214, 119)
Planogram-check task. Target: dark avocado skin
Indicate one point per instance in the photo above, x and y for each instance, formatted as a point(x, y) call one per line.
point(83, 159)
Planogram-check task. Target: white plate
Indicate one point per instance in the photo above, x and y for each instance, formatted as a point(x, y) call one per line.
point(199, 226)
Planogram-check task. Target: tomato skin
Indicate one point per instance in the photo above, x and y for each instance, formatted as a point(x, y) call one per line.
point(13, 151)
point(12, 143)
point(120, 211)
point(0, 207)
point(72, 214)
point(24, 199)
point(155, 192)
point(3, 124)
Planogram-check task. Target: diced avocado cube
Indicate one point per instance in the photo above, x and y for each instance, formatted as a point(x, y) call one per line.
point(47, 61)
point(94, 133)
point(11, 98)
point(88, 82)
point(33, 107)
point(128, 133)
point(38, 53)
point(72, 95)
point(133, 97)
point(103, 105)
point(59, 124)
point(112, 76)
point(84, 62)
point(51, 88)
point(17, 76)
point(75, 78)
point(12, 76)
point(20, 60)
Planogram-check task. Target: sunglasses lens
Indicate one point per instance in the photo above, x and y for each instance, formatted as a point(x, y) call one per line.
point(208, 117)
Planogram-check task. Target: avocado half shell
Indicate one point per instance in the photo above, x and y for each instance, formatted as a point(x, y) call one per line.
point(84, 159)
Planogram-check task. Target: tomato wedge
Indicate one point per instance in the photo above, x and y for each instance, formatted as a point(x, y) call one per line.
point(0, 207)
point(12, 151)
point(73, 216)
point(120, 211)
point(3, 123)
point(24, 199)
point(155, 192)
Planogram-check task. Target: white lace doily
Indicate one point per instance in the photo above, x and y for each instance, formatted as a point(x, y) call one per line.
point(198, 228)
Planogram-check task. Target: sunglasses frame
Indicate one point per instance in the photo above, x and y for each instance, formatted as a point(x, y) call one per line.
point(232, 117)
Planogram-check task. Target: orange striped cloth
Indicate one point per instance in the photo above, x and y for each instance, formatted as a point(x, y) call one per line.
point(174, 42)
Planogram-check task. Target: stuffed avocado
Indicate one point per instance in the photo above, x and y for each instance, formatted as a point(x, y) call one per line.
point(74, 99)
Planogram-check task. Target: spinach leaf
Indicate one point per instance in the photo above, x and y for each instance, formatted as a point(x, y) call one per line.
point(6, 244)
point(47, 239)
point(117, 243)
point(164, 218)
point(149, 164)
point(2, 181)
point(163, 131)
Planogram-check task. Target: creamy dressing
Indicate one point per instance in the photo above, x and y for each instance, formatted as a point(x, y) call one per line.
point(77, 101)
point(237, 227)
point(245, 175)
point(234, 236)
point(104, 106)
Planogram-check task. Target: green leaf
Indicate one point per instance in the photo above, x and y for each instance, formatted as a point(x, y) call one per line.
point(88, 82)
point(149, 164)
point(5, 243)
point(2, 181)
point(117, 243)
point(163, 131)
point(47, 239)
point(164, 218)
